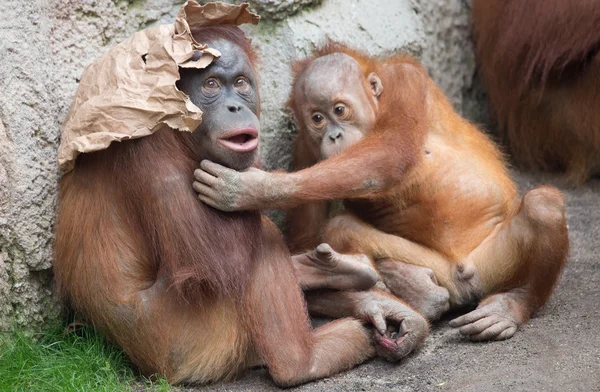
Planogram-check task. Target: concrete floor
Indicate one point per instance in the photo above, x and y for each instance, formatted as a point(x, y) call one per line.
point(558, 350)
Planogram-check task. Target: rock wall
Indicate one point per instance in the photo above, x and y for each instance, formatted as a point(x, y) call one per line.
point(46, 44)
point(449, 53)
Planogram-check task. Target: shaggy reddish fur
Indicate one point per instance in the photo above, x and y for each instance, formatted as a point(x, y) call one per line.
point(189, 292)
point(306, 222)
point(540, 64)
point(426, 187)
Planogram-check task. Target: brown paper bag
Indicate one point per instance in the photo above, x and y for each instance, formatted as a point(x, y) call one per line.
point(130, 92)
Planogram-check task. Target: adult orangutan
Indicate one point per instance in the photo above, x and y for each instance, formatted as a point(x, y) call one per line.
point(540, 63)
point(421, 186)
point(196, 294)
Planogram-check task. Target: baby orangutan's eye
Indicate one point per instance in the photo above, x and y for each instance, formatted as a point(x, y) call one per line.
point(339, 110)
point(318, 118)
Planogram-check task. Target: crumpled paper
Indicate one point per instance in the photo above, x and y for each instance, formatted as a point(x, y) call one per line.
point(129, 92)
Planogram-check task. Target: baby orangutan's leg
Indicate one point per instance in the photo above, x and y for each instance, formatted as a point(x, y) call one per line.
point(518, 267)
point(417, 286)
point(420, 276)
point(324, 268)
point(399, 329)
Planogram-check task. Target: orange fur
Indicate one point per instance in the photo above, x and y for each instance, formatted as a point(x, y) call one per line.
point(189, 292)
point(541, 67)
point(438, 195)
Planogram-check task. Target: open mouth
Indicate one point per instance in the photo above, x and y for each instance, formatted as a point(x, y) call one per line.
point(240, 140)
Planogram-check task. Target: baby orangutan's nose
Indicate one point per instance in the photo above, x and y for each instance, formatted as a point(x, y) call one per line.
point(335, 134)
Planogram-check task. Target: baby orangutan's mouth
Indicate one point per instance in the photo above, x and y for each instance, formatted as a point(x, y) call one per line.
point(240, 140)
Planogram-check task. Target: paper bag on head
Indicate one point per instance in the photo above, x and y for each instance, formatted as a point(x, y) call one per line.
point(130, 92)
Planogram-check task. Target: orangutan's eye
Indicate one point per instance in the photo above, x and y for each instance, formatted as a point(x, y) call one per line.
point(241, 82)
point(211, 84)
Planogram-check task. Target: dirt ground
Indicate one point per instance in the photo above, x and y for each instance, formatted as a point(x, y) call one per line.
point(558, 350)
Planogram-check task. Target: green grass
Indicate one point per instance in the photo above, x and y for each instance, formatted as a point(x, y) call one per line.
point(57, 361)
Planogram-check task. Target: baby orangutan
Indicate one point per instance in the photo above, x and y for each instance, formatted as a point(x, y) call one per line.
point(422, 187)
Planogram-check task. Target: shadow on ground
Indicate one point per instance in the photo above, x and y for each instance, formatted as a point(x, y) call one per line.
point(558, 350)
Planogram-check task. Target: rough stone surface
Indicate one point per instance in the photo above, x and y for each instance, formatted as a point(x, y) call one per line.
point(46, 44)
point(278, 9)
point(449, 53)
point(557, 351)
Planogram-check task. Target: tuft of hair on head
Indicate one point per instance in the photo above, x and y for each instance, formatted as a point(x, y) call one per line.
point(367, 64)
point(231, 33)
